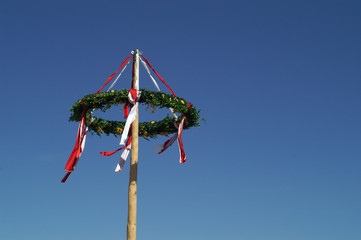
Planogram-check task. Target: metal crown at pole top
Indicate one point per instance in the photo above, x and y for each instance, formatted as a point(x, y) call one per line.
point(136, 51)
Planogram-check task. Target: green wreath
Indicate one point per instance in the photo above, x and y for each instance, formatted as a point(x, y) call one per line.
point(104, 101)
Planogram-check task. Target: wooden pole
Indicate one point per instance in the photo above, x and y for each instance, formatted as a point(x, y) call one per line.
point(132, 192)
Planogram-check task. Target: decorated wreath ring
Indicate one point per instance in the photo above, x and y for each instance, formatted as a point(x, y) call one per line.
point(105, 100)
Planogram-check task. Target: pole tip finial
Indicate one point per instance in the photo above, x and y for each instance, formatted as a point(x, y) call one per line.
point(136, 51)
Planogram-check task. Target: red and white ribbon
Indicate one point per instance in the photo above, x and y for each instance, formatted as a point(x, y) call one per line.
point(115, 81)
point(169, 142)
point(123, 157)
point(182, 154)
point(112, 76)
point(133, 98)
point(150, 75)
point(79, 146)
point(166, 144)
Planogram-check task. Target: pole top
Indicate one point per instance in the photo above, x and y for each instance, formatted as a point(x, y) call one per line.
point(136, 51)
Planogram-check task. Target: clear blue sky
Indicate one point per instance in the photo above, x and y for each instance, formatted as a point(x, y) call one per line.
point(278, 83)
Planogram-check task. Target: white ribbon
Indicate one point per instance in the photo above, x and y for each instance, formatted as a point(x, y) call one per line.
point(115, 81)
point(131, 117)
point(123, 158)
point(150, 75)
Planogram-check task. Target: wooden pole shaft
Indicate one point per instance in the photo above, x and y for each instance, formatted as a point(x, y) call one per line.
point(132, 192)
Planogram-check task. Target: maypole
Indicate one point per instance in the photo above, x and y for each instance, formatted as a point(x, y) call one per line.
point(132, 192)
point(82, 112)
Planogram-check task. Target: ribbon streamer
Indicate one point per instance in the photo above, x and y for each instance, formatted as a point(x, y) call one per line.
point(182, 154)
point(167, 144)
point(79, 146)
point(133, 98)
point(115, 81)
point(150, 75)
point(170, 141)
point(111, 153)
point(123, 157)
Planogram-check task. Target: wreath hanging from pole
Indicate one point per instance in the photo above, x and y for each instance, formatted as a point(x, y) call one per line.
point(103, 101)
point(81, 111)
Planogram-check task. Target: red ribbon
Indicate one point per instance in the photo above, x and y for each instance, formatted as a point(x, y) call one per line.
point(74, 156)
point(111, 153)
point(126, 110)
point(167, 144)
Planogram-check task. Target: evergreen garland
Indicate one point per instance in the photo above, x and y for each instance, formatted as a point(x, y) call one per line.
point(103, 101)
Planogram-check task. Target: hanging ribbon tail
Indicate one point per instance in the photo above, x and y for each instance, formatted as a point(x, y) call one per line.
point(123, 158)
point(130, 120)
point(183, 157)
point(133, 98)
point(65, 177)
point(111, 153)
point(167, 143)
point(124, 155)
point(78, 147)
point(72, 159)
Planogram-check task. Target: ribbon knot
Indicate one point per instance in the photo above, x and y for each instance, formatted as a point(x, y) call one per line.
point(133, 96)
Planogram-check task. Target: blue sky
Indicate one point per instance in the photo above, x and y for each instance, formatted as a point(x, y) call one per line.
point(278, 83)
